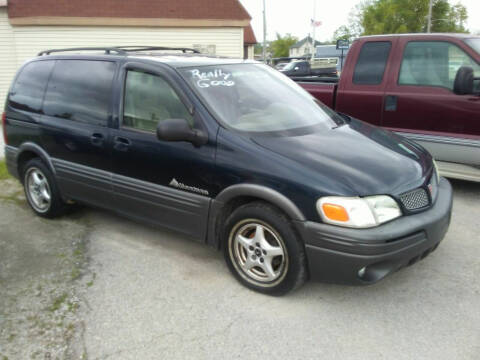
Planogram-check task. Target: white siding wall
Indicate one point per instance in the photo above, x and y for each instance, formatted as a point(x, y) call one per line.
point(21, 43)
point(251, 52)
point(30, 40)
point(7, 56)
point(302, 50)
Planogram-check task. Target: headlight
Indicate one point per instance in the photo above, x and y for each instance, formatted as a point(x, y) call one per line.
point(358, 212)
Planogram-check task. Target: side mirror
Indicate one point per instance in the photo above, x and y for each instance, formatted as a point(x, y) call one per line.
point(463, 84)
point(296, 68)
point(180, 130)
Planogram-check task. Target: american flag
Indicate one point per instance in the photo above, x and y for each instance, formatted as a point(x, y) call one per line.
point(316, 23)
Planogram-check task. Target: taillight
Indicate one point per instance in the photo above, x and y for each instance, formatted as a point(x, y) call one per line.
point(4, 128)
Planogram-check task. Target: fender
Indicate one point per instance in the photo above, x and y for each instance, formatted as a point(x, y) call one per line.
point(32, 147)
point(253, 190)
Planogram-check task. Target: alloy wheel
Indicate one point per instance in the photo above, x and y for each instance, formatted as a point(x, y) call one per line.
point(38, 190)
point(258, 252)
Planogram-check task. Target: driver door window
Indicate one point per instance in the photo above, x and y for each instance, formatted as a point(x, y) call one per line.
point(433, 63)
point(150, 99)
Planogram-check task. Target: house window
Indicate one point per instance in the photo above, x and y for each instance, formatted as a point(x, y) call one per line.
point(206, 49)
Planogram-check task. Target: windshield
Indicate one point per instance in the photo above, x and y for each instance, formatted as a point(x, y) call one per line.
point(256, 98)
point(474, 44)
point(290, 65)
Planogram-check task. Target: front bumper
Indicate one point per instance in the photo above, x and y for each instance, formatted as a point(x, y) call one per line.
point(337, 254)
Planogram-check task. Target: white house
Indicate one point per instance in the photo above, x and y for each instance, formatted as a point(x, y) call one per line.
point(303, 47)
point(27, 27)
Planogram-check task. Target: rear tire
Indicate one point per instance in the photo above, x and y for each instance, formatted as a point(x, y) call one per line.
point(262, 249)
point(41, 190)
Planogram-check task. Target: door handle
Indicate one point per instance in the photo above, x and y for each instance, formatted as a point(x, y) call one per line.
point(391, 103)
point(121, 143)
point(97, 139)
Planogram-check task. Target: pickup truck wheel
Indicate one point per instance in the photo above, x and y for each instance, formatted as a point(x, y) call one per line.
point(41, 190)
point(262, 249)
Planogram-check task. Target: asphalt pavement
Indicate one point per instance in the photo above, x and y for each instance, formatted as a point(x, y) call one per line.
point(123, 290)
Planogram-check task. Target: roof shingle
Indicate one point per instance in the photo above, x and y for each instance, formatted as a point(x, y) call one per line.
point(169, 9)
point(248, 35)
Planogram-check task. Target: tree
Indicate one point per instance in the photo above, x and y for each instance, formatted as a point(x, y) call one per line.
point(257, 49)
point(403, 16)
point(343, 33)
point(281, 46)
point(446, 18)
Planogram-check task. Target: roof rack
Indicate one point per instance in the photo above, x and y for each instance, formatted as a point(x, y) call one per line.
point(121, 50)
point(107, 50)
point(135, 48)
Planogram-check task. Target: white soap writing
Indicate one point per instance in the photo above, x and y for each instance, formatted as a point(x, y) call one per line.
point(216, 77)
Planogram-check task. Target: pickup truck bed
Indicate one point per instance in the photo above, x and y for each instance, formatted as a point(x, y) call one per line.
point(325, 92)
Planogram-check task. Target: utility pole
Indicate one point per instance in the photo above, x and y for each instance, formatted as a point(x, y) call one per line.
point(429, 23)
point(264, 34)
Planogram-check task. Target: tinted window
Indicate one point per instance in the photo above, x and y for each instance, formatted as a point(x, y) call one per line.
point(433, 63)
point(80, 90)
point(27, 92)
point(150, 99)
point(371, 63)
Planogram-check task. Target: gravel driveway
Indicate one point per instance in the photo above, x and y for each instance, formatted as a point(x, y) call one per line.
point(96, 286)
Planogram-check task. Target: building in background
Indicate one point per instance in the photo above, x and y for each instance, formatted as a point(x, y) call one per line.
point(303, 47)
point(249, 42)
point(211, 26)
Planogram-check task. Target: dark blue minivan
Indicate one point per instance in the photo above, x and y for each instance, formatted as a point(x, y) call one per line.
point(229, 152)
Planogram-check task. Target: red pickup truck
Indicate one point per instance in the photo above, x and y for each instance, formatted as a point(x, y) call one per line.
point(423, 86)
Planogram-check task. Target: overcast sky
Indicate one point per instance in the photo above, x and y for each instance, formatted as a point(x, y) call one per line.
point(293, 16)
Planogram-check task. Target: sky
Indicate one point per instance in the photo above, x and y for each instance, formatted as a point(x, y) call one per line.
point(287, 16)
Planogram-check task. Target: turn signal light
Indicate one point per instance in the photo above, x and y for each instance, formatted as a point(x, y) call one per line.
point(335, 212)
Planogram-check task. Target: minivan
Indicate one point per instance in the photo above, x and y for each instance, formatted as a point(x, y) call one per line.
point(228, 152)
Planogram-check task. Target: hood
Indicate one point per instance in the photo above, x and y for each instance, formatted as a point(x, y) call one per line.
point(361, 156)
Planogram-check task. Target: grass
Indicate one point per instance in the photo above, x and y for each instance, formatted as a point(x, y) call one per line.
point(57, 303)
point(3, 170)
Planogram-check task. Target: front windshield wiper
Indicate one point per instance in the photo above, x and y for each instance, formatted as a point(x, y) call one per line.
point(347, 119)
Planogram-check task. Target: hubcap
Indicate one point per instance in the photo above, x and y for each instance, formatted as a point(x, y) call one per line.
point(38, 190)
point(259, 253)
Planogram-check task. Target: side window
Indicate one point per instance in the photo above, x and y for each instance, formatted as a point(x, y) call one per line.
point(80, 90)
point(371, 63)
point(150, 99)
point(28, 90)
point(433, 63)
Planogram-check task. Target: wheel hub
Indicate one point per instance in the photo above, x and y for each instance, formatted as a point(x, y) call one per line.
point(38, 190)
point(259, 252)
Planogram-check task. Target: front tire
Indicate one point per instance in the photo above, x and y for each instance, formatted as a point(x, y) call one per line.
point(262, 249)
point(41, 190)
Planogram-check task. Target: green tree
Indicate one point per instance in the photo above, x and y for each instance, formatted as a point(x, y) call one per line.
point(281, 46)
point(343, 33)
point(404, 16)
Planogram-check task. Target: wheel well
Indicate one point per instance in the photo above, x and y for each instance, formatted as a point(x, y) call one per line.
point(23, 158)
point(229, 207)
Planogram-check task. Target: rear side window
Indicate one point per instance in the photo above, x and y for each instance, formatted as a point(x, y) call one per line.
point(371, 63)
point(28, 90)
point(80, 90)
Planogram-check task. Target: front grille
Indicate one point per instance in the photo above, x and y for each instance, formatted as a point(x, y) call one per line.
point(415, 199)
